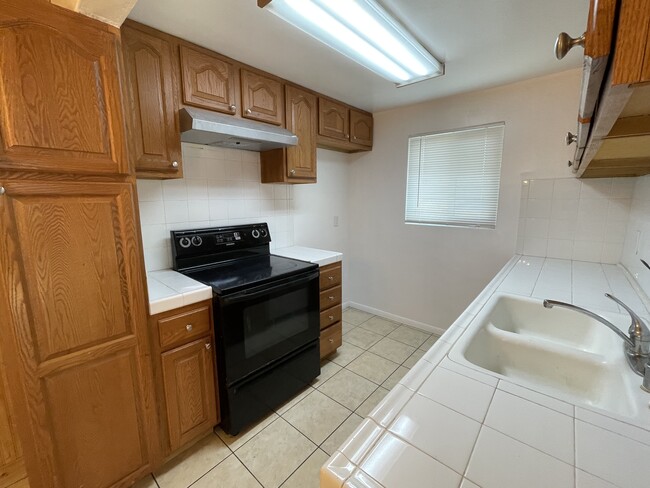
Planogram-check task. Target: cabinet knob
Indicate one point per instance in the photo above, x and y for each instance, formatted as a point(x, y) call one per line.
point(293, 171)
point(565, 43)
point(331, 278)
point(570, 163)
point(208, 346)
point(347, 136)
point(570, 138)
point(331, 317)
point(331, 341)
point(175, 164)
point(331, 298)
point(2, 190)
point(233, 108)
point(249, 111)
point(189, 327)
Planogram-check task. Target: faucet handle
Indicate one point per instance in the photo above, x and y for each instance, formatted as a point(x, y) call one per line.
point(638, 330)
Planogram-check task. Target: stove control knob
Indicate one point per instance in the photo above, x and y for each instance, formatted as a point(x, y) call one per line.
point(255, 233)
point(263, 232)
point(185, 242)
point(197, 241)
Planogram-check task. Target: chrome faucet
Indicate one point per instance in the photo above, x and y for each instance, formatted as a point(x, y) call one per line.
point(636, 345)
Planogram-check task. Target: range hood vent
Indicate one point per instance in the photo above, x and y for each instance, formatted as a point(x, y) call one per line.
point(213, 129)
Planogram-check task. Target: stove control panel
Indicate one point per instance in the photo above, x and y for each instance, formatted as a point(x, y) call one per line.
point(198, 243)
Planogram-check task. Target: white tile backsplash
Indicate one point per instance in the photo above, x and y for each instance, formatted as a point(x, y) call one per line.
point(636, 245)
point(219, 187)
point(568, 218)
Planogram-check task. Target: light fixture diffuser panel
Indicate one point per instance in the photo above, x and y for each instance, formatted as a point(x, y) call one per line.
point(363, 31)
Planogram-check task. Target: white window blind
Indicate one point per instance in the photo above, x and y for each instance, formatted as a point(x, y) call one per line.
point(453, 177)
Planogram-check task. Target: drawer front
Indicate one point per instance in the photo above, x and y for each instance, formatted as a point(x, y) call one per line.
point(330, 316)
point(330, 298)
point(184, 327)
point(331, 339)
point(330, 276)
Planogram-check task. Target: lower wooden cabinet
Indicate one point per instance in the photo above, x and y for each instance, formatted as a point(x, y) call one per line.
point(331, 313)
point(12, 467)
point(185, 366)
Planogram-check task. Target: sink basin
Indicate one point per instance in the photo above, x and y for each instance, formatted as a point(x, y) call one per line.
point(555, 351)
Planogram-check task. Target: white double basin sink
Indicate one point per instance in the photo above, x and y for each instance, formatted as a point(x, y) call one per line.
point(559, 352)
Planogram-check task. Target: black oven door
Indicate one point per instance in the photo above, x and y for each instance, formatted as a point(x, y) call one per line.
point(261, 325)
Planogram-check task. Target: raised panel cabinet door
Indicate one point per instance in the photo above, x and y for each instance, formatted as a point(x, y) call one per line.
point(190, 394)
point(360, 128)
point(302, 118)
point(74, 332)
point(12, 468)
point(262, 98)
point(60, 96)
point(333, 119)
point(152, 95)
point(209, 82)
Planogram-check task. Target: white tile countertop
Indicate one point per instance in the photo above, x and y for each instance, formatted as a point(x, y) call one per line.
point(318, 256)
point(446, 425)
point(169, 289)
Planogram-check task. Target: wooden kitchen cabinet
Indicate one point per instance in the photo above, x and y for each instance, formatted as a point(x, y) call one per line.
point(210, 81)
point(613, 136)
point(296, 164)
point(262, 97)
point(153, 90)
point(74, 331)
point(12, 466)
point(343, 128)
point(61, 95)
point(185, 365)
point(331, 335)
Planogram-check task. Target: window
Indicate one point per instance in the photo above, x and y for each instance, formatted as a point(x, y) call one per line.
point(453, 177)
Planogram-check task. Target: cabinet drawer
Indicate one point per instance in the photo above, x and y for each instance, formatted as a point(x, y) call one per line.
point(331, 339)
point(330, 316)
point(330, 298)
point(330, 276)
point(183, 327)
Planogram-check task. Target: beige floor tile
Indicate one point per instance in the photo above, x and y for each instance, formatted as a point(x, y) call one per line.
point(393, 379)
point(388, 348)
point(413, 358)
point(147, 482)
point(185, 469)
point(285, 407)
point(348, 388)
point(356, 317)
point(308, 474)
point(373, 400)
point(317, 416)
point(362, 338)
point(379, 325)
point(409, 335)
point(345, 354)
point(228, 474)
point(348, 327)
point(373, 367)
point(275, 453)
point(339, 436)
point(429, 342)
point(235, 442)
point(327, 370)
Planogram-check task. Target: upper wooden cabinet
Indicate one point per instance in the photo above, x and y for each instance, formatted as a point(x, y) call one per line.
point(333, 119)
point(210, 81)
point(360, 128)
point(262, 97)
point(74, 332)
point(296, 164)
point(343, 128)
point(151, 69)
point(613, 136)
point(61, 101)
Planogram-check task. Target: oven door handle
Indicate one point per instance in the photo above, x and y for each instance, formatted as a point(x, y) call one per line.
point(265, 290)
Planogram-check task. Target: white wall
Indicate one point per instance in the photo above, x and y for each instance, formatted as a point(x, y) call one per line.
point(637, 239)
point(430, 274)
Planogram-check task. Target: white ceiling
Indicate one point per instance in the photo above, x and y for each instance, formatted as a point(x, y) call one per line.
point(483, 43)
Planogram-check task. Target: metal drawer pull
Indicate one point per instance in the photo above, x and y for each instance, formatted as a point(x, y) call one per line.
point(208, 346)
point(189, 327)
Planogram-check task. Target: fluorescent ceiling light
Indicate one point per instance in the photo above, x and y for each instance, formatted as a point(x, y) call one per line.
point(363, 31)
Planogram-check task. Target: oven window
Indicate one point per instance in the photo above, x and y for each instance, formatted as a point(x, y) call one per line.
point(274, 321)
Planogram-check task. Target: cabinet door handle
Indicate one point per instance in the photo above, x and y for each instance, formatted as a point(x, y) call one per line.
point(249, 111)
point(331, 317)
point(565, 43)
point(208, 346)
point(175, 164)
point(331, 298)
point(293, 171)
point(233, 108)
point(189, 327)
point(331, 341)
point(331, 278)
point(570, 138)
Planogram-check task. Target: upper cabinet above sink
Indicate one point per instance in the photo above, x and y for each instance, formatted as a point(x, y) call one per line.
point(613, 135)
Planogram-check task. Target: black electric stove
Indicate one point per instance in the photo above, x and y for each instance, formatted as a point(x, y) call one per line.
point(266, 317)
